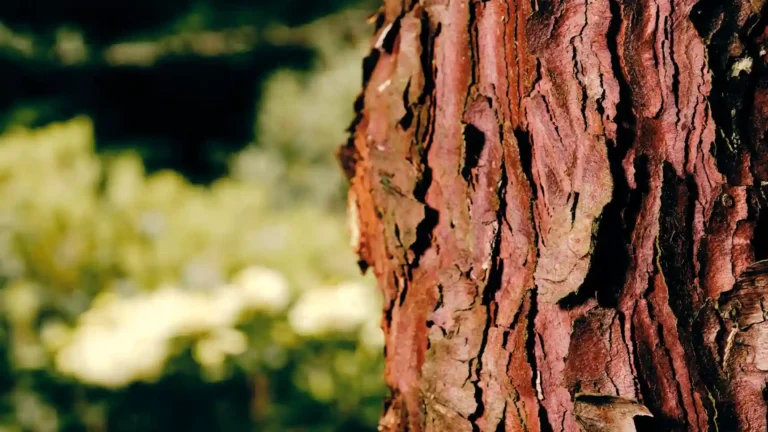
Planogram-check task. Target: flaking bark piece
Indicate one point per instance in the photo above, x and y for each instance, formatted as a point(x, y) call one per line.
point(746, 304)
point(604, 413)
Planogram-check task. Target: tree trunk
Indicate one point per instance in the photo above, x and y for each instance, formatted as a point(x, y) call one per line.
point(562, 203)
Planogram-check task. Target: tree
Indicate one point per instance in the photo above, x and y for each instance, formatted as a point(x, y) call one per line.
point(562, 202)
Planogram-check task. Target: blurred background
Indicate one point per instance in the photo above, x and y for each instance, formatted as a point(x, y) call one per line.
point(174, 253)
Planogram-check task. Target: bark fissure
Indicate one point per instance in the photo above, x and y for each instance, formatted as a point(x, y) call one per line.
point(492, 286)
point(532, 340)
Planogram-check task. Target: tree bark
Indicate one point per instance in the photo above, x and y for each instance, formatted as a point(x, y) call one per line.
point(562, 201)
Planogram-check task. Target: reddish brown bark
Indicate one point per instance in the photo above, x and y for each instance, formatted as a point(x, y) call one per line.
point(561, 201)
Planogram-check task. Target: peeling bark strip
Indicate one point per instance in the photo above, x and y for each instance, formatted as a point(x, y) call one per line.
point(563, 204)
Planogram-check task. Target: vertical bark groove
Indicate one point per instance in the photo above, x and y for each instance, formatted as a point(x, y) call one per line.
point(562, 203)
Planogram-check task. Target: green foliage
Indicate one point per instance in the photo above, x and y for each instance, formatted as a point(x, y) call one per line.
point(134, 300)
point(304, 117)
point(121, 286)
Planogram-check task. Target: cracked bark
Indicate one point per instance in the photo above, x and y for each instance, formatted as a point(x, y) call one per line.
point(564, 205)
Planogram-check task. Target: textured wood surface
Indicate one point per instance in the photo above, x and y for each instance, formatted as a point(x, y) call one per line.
point(561, 200)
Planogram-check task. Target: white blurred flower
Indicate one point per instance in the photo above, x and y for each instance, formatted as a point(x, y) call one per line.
point(214, 349)
point(125, 339)
point(225, 307)
point(112, 357)
point(343, 308)
point(264, 289)
point(165, 313)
